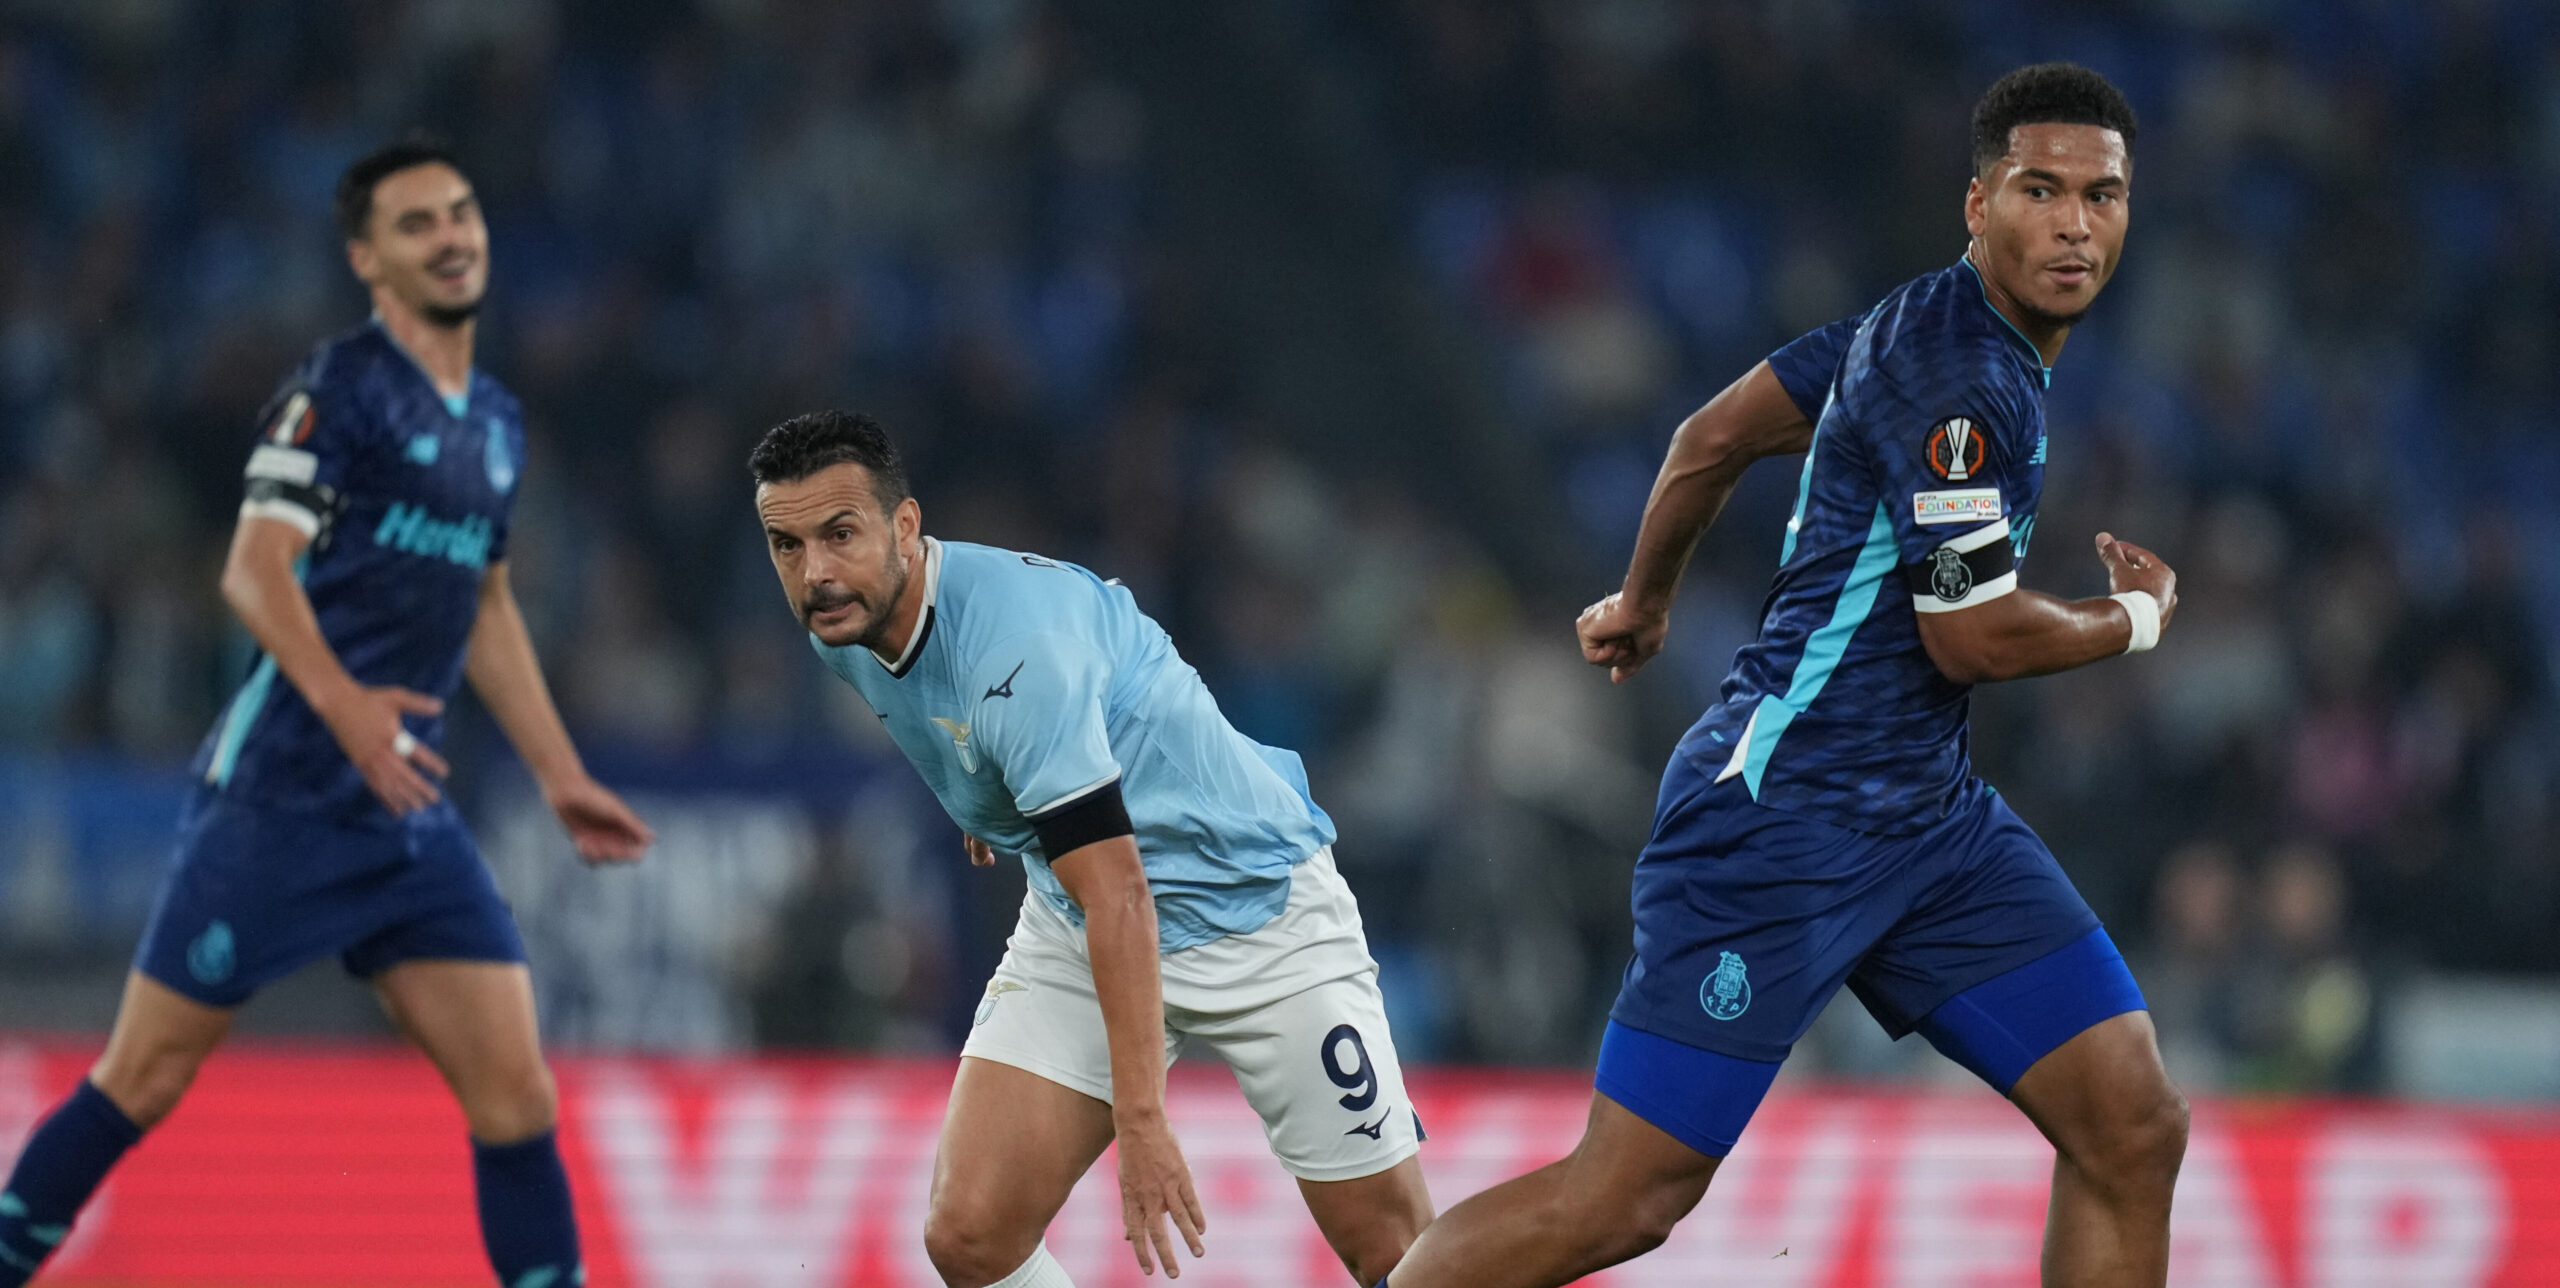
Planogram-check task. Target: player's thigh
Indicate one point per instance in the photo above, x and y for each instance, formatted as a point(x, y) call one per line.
point(253, 895)
point(1999, 959)
point(475, 1021)
point(1013, 1145)
point(1319, 1066)
point(1747, 921)
point(161, 1037)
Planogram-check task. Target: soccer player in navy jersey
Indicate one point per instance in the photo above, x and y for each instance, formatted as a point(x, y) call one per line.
point(369, 561)
point(1821, 824)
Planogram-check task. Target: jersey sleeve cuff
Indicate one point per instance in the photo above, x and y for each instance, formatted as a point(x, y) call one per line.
point(1081, 818)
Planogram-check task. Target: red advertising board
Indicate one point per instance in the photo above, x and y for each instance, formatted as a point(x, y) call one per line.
point(293, 1166)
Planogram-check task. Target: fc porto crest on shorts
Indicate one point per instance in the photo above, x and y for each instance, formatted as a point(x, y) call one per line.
point(1955, 449)
point(211, 957)
point(1727, 991)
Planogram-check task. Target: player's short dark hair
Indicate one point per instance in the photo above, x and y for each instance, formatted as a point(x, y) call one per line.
point(813, 441)
point(353, 204)
point(2045, 94)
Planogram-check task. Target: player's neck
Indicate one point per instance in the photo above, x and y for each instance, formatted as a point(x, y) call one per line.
point(906, 613)
point(2043, 334)
point(443, 352)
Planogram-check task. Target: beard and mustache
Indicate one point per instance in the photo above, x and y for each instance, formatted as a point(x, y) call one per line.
point(449, 316)
point(827, 599)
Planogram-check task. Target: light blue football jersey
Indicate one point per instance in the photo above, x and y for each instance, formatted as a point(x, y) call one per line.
point(1029, 683)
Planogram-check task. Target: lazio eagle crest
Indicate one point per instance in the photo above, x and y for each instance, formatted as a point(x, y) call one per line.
point(959, 742)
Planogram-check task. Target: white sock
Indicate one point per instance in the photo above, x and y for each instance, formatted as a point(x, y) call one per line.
point(1041, 1271)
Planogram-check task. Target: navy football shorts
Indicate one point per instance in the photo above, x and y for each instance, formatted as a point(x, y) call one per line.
point(255, 894)
point(1749, 919)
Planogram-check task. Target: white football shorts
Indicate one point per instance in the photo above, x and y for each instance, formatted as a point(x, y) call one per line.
point(1292, 1007)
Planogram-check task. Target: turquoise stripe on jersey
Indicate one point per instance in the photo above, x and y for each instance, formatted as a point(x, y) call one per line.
point(245, 707)
point(1804, 495)
point(1824, 648)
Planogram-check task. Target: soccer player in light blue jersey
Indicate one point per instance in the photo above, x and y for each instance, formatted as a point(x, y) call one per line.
point(370, 564)
point(1181, 880)
point(1821, 826)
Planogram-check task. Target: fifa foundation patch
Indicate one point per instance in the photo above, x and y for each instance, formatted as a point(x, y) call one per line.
point(1972, 505)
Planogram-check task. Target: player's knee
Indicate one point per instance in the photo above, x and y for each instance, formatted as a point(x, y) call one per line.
point(969, 1247)
point(1371, 1249)
point(1609, 1224)
point(518, 1106)
point(2137, 1152)
point(1641, 1226)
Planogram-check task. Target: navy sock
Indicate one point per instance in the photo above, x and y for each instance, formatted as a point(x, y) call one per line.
point(64, 1161)
point(525, 1218)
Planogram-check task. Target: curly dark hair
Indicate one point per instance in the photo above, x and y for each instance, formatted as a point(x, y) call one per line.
point(2045, 94)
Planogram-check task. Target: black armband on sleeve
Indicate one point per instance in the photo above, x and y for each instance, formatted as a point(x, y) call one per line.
point(1096, 815)
point(1975, 568)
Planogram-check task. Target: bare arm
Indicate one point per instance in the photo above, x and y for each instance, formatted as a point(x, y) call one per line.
point(504, 671)
point(1752, 419)
point(2026, 633)
point(1108, 881)
point(259, 583)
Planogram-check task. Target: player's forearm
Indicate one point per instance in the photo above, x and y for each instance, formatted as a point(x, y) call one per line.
point(1128, 979)
point(259, 584)
point(507, 674)
point(1752, 419)
point(2026, 633)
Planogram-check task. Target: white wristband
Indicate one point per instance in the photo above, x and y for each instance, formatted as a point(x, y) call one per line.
point(2145, 612)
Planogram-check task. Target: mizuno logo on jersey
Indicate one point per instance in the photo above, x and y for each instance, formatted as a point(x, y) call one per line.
point(411, 530)
point(1005, 690)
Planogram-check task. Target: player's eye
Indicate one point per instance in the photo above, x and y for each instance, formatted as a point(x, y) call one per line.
point(2039, 192)
point(841, 534)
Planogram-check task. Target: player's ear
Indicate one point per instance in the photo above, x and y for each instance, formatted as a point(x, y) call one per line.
point(1975, 199)
point(361, 260)
point(908, 522)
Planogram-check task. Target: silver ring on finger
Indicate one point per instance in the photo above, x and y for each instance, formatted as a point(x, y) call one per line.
point(404, 744)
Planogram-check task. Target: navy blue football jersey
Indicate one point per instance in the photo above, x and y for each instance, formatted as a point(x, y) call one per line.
point(1918, 495)
point(405, 495)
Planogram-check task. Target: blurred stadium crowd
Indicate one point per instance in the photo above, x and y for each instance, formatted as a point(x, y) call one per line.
point(2320, 388)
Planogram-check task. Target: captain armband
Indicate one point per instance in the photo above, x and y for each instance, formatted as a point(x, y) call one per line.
point(1081, 818)
point(283, 485)
point(1974, 568)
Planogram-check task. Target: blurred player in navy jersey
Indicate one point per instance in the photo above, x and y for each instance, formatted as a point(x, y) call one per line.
point(370, 564)
point(1821, 824)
